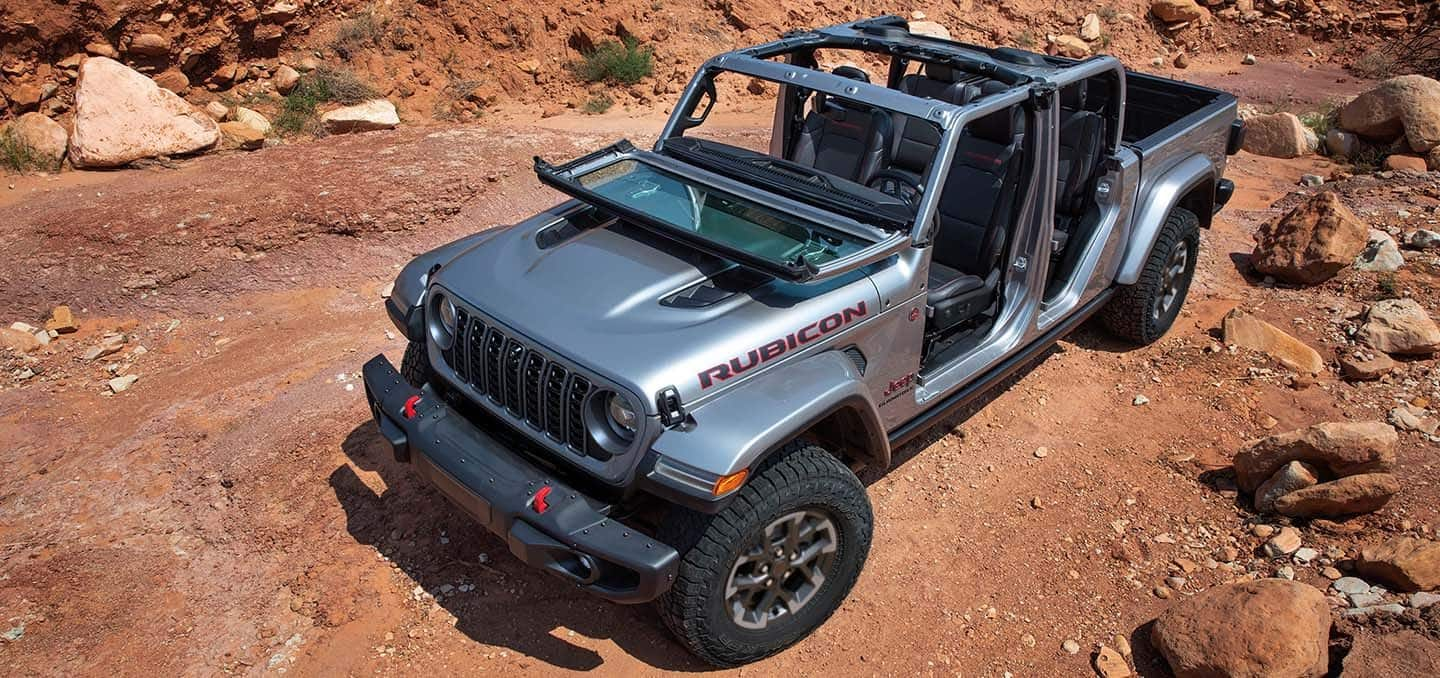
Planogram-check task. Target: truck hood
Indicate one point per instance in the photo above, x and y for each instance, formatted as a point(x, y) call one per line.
point(605, 299)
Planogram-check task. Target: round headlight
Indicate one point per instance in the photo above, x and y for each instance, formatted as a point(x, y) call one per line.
point(621, 414)
point(447, 314)
point(442, 321)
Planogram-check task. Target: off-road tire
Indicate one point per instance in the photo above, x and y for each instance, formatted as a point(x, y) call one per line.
point(415, 366)
point(1130, 313)
point(800, 476)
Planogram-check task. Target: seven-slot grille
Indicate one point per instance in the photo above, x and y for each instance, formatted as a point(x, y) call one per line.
point(516, 377)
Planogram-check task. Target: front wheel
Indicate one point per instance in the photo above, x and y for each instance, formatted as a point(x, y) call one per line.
point(1144, 311)
point(774, 564)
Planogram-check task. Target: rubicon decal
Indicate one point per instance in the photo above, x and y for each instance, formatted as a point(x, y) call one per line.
point(779, 347)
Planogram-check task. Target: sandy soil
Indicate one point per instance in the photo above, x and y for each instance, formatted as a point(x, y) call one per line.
point(236, 512)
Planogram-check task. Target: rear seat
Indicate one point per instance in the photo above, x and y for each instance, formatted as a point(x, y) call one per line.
point(1080, 147)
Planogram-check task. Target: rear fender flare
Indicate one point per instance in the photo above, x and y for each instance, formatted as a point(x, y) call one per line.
point(1164, 195)
point(760, 416)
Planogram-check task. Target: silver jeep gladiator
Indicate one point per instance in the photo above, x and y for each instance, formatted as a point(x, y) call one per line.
point(662, 388)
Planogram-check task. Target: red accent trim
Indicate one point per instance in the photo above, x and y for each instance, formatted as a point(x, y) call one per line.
point(410, 404)
point(539, 503)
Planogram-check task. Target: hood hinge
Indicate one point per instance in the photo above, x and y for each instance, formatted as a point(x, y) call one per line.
point(672, 411)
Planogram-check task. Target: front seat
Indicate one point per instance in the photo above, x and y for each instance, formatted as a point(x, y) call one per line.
point(973, 218)
point(916, 140)
point(848, 140)
point(1081, 140)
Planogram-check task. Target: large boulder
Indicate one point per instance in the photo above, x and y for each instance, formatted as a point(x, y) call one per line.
point(1350, 495)
point(45, 138)
point(1268, 627)
point(1403, 653)
point(375, 114)
point(122, 116)
point(1247, 331)
point(1403, 563)
point(1343, 448)
point(1172, 11)
point(1408, 105)
point(1400, 326)
point(1312, 243)
point(1280, 135)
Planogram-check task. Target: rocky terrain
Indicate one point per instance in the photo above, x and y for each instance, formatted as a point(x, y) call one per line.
point(192, 484)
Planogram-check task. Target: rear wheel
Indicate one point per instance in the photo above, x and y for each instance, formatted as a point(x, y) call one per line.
point(774, 564)
point(415, 366)
point(1144, 311)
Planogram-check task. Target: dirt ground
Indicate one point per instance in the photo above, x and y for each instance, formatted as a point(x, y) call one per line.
point(235, 511)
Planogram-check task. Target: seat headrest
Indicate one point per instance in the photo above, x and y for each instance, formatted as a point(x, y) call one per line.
point(1073, 96)
point(940, 72)
point(993, 87)
point(851, 72)
point(998, 127)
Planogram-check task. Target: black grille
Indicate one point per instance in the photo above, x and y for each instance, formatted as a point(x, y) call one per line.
point(520, 379)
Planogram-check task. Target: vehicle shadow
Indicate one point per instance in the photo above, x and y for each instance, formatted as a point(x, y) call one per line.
point(512, 605)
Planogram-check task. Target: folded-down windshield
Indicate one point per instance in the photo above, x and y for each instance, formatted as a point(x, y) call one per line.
point(730, 221)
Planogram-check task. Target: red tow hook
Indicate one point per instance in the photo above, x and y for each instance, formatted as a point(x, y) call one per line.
point(539, 503)
point(410, 404)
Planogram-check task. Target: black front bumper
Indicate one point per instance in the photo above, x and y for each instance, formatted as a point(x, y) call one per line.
point(571, 536)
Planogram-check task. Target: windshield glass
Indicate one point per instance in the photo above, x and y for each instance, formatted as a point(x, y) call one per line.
point(728, 220)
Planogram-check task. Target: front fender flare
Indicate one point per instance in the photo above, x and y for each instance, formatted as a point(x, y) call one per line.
point(1162, 196)
point(759, 416)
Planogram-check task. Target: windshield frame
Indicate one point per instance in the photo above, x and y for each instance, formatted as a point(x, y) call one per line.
point(881, 243)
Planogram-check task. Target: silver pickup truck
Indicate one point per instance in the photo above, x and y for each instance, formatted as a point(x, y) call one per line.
point(661, 389)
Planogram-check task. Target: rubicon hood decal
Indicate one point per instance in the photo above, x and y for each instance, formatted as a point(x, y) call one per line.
point(772, 350)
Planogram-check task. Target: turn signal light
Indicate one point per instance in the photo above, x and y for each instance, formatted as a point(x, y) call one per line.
point(727, 484)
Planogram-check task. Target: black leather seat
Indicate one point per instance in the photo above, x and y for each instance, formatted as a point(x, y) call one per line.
point(847, 140)
point(1081, 141)
point(974, 217)
point(916, 141)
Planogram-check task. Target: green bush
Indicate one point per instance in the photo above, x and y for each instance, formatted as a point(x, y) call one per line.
point(18, 157)
point(1322, 120)
point(359, 32)
point(624, 63)
point(324, 84)
point(598, 104)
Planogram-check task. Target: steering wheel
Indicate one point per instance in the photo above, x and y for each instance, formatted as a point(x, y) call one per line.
point(899, 184)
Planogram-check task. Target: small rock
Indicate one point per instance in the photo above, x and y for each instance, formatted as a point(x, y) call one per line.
point(238, 135)
point(62, 320)
point(1423, 239)
point(1311, 180)
point(1405, 564)
point(1329, 572)
point(1305, 555)
point(1296, 475)
point(1400, 326)
point(119, 384)
point(1410, 418)
point(1161, 592)
point(217, 110)
point(1042, 452)
point(285, 79)
point(1246, 331)
point(1285, 572)
point(1366, 599)
point(377, 114)
point(1228, 554)
point(1248, 60)
point(1090, 27)
point(1344, 448)
point(1350, 585)
point(1284, 543)
point(1109, 663)
point(1361, 493)
point(1262, 531)
point(1424, 599)
point(1175, 583)
point(1366, 369)
point(1381, 254)
point(1390, 608)
point(1404, 163)
point(107, 346)
point(1070, 646)
point(1140, 400)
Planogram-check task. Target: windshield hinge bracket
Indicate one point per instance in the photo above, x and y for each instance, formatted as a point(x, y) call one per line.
point(672, 410)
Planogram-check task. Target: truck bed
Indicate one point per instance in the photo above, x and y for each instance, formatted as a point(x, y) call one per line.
point(1158, 110)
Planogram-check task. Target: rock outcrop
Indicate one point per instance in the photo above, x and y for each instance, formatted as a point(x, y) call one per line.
point(1404, 653)
point(122, 116)
point(1269, 627)
point(1312, 243)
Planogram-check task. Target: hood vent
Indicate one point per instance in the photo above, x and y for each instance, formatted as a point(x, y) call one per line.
point(715, 289)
